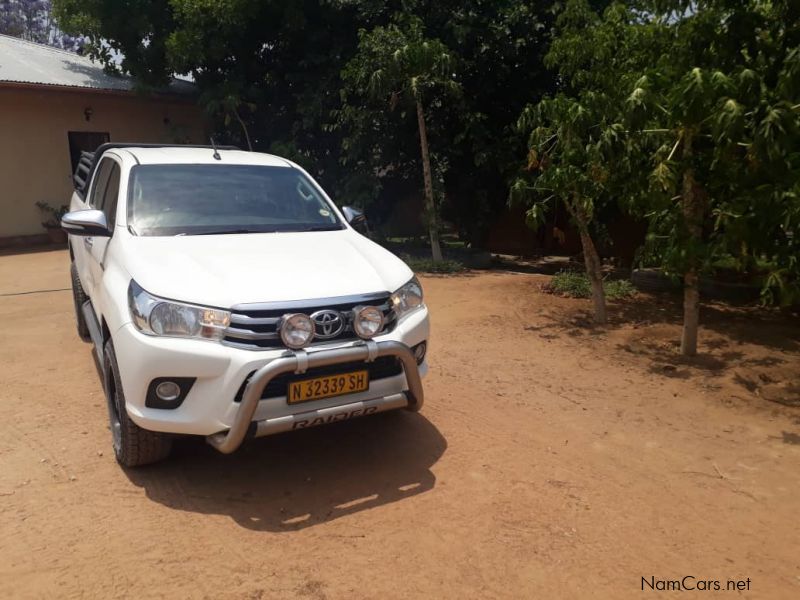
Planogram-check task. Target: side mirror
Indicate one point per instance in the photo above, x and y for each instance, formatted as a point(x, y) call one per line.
point(354, 216)
point(86, 223)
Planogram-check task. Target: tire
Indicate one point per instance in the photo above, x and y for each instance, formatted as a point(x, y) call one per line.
point(653, 280)
point(133, 446)
point(79, 298)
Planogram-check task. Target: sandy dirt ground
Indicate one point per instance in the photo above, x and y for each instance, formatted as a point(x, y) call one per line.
point(551, 460)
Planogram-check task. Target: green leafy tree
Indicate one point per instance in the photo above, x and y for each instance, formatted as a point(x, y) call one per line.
point(720, 107)
point(398, 65)
point(578, 151)
point(286, 59)
point(499, 47)
point(266, 70)
point(569, 148)
point(708, 92)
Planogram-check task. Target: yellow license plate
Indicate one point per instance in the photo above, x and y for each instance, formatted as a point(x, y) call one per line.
point(328, 386)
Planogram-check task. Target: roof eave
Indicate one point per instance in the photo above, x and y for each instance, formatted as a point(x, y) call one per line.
point(189, 98)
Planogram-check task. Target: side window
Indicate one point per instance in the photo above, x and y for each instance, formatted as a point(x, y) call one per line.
point(111, 195)
point(100, 181)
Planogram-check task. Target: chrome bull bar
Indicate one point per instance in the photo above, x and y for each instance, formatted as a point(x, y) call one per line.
point(298, 362)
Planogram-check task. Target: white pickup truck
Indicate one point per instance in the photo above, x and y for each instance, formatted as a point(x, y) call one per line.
point(227, 296)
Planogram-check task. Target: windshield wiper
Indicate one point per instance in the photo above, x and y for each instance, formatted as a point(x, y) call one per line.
point(233, 231)
point(244, 230)
point(323, 228)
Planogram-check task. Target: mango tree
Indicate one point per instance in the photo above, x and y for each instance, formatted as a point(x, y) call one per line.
point(720, 111)
point(578, 148)
point(710, 102)
point(569, 161)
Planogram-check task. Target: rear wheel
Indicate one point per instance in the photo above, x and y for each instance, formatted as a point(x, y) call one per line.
point(79, 298)
point(133, 446)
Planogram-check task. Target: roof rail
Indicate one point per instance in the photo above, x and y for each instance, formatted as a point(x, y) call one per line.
point(87, 164)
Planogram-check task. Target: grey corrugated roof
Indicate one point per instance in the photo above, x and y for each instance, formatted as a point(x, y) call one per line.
point(35, 64)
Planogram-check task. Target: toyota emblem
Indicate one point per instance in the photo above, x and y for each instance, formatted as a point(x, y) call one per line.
point(328, 323)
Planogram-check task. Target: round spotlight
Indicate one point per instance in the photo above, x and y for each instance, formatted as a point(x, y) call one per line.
point(168, 391)
point(367, 321)
point(297, 330)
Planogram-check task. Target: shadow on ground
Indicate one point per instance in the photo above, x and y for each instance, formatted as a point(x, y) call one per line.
point(791, 438)
point(771, 328)
point(297, 480)
point(754, 348)
point(17, 250)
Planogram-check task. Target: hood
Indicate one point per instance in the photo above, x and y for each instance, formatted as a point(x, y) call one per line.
point(225, 270)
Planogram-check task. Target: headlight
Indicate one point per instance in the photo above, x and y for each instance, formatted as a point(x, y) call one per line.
point(408, 298)
point(297, 330)
point(367, 321)
point(155, 316)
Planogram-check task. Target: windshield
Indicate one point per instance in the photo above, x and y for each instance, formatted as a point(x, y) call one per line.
point(217, 199)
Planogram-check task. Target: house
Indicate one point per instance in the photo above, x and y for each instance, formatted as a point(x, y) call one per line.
point(55, 104)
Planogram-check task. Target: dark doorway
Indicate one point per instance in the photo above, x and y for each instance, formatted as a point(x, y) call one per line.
point(84, 141)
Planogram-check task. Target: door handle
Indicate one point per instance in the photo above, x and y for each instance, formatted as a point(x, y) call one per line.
point(88, 242)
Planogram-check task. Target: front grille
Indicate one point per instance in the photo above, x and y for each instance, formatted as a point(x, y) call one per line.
point(380, 368)
point(254, 326)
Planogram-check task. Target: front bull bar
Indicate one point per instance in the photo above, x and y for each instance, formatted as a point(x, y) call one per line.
point(298, 362)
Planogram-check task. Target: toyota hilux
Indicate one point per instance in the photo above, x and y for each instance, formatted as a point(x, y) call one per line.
point(227, 296)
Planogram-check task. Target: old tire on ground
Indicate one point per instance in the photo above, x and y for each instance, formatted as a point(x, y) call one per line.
point(653, 280)
point(133, 446)
point(78, 298)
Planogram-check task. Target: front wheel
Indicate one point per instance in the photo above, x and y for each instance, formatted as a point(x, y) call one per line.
point(133, 446)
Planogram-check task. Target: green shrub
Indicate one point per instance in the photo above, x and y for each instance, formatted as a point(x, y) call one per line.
point(575, 284)
point(618, 289)
point(427, 265)
point(571, 283)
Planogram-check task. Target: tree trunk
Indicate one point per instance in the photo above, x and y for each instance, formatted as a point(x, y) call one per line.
point(592, 262)
point(430, 205)
point(244, 129)
point(691, 313)
point(691, 206)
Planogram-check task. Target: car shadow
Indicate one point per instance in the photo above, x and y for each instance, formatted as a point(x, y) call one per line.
point(301, 479)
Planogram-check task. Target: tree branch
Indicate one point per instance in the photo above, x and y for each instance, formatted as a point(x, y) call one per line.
point(674, 148)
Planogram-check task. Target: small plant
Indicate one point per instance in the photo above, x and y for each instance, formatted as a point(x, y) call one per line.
point(618, 289)
point(427, 265)
point(575, 284)
point(52, 214)
point(571, 283)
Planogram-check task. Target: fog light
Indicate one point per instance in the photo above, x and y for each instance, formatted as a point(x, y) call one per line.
point(367, 321)
point(297, 330)
point(419, 351)
point(168, 391)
